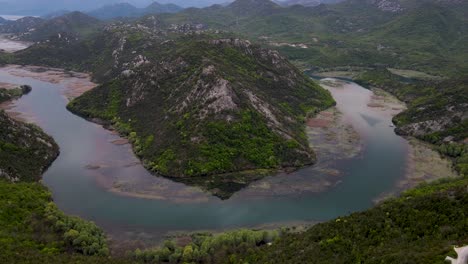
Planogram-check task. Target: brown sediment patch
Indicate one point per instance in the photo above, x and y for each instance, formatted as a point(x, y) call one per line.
point(132, 164)
point(386, 102)
point(92, 167)
point(333, 172)
point(322, 119)
point(173, 196)
point(376, 105)
point(121, 141)
point(332, 137)
point(316, 122)
point(8, 86)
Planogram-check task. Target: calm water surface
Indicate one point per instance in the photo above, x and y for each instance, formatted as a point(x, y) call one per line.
point(76, 190)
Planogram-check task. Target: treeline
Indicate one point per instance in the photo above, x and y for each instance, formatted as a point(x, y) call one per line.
point(209, 248)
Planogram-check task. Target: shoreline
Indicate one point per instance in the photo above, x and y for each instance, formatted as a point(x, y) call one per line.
point(328, 134)
point(424, 164)
point(77, 83)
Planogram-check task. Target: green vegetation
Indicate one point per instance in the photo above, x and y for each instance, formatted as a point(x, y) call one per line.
point(33, 230)
point(426, 35)
point(32, 223)
point(421, 226)
point(208, 248)
point(25, 151)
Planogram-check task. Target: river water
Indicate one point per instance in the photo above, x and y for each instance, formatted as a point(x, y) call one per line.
point(90, 163)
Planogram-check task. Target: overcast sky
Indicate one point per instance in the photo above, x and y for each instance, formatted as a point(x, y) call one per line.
point(31, 6)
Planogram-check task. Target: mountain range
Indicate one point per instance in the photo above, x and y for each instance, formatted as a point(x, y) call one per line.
point(128, 10)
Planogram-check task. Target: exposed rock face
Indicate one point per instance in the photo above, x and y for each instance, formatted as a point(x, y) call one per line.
point(443, 114)
point(25, 151)
point(437, 124)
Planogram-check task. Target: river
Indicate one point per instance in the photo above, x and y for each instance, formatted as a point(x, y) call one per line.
point(100, 180)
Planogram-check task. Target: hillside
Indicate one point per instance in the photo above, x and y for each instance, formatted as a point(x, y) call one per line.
point(252, 7)
point(200, 106)
point(307, 2)
point(425, 35)
point(21, 25)
point(71, 26)
point(193, 104)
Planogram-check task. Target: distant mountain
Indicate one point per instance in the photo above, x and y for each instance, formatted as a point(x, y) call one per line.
point(116, 10)
point(308, 2)
point(128, 10)
point(22, 25)
point(156, 8)
point(249, 7)
point(71, 25)
point(56, 14)
point(2, 20)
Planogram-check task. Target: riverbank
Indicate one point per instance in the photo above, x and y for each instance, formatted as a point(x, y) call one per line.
point(10, 46)
point(121, 196)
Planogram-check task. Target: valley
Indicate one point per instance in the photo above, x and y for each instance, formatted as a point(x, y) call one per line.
point(108, 172)
point(236, 133)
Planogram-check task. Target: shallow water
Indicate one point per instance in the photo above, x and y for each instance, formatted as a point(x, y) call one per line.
point(90, 164)
point(9, 46)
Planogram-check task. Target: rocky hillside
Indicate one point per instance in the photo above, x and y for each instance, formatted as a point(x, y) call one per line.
point(198, 106)
point(194, 103)
point(21, 25)
point(307, 2)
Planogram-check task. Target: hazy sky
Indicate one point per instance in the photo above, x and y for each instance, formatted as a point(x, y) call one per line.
point(31, 6)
